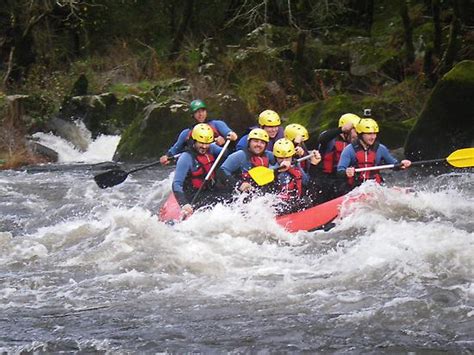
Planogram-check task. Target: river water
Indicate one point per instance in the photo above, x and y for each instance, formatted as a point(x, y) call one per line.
point(90, 270)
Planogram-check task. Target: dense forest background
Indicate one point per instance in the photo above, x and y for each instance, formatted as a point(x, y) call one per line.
point(278, 54)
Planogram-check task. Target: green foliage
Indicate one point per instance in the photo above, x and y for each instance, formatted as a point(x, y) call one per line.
point(322, 115)
point(249, 89)
point(123, 48)
point(302, 115)
point(141, 89)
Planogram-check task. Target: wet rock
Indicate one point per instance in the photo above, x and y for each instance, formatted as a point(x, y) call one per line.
point(231, 110)
point(447, 120)
point(70, 131)
point(153, 131)
point(43, 151)
point(322, 115)
point(104, 113)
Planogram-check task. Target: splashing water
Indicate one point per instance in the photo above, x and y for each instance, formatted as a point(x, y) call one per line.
point(86, 269)
point(99, 150)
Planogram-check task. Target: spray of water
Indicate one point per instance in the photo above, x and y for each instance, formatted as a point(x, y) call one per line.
point(99, 150)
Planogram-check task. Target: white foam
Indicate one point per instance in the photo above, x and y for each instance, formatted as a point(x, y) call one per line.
point(99, 150)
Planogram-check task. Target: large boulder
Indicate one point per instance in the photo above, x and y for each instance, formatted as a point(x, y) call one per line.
point(153, 131)
point(231, 110)
point(322, 115)
point(41, 150)
point(157, 127)
point(447, 120)
point(102, 114)
point(71, 132)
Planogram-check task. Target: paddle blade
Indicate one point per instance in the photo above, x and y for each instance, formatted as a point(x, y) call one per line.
point(110, 178)
point(462, 158)
point(262, 175)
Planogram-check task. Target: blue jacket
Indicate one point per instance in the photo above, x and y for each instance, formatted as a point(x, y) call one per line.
point(348, 158)
point(180, 144)
point(184, 166)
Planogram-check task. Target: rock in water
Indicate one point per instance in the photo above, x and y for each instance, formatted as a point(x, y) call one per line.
point(447, 120)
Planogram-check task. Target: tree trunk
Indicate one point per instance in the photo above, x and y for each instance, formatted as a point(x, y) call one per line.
point(300, 46)
point(369, 15)
point(435, 8)
point(179, 37)
point(408, 33)
point(453, 42)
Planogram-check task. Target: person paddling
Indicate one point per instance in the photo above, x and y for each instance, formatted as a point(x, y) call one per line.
point(233, 173)
point(366, 152)
point(269, 121)
point(220, 130)
point(191, 168)
point(290, 179)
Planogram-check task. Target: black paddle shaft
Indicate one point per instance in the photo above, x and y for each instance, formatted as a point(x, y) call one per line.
point(425, 162)
point(116, 176)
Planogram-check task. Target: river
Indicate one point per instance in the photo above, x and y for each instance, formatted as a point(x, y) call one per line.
point(89, 270)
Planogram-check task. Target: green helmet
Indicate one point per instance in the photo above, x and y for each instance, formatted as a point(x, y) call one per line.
point(196, 105)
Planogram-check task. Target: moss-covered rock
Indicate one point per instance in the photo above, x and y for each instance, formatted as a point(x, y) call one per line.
point(321, 115)
point(104, 113)
point(393, 134)
point(447, 120)
point(153, 131)
point(231, 110)
point(327, 56)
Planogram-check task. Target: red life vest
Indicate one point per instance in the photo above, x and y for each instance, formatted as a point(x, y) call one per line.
point(255, 161)
point(331, 158)
point(205, 162)
point(214, 129)
point(365, 159)
point(294, 188)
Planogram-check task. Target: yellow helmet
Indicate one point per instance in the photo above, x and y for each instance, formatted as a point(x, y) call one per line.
point(203, 133)
point(294, 130)
point(283, 148)
point(269, 118)
point(258, 133)
point(367, 125)
point(348, 117)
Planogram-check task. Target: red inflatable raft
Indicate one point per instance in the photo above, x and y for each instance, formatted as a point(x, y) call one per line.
point(313, 218)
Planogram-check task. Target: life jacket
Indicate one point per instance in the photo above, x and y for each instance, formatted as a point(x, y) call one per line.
point(254, 162)
point(214, 129)
point(294, 188)
point(365, 159)
point(204, 163)
point(332, 156)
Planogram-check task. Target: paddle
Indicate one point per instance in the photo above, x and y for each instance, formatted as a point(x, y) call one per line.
point(211, 170)
point(461, 158)
point(116, 176)
point(263, 175)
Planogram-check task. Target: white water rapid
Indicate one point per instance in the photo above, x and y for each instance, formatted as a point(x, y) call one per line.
point(99, 150)
point(87, 270)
